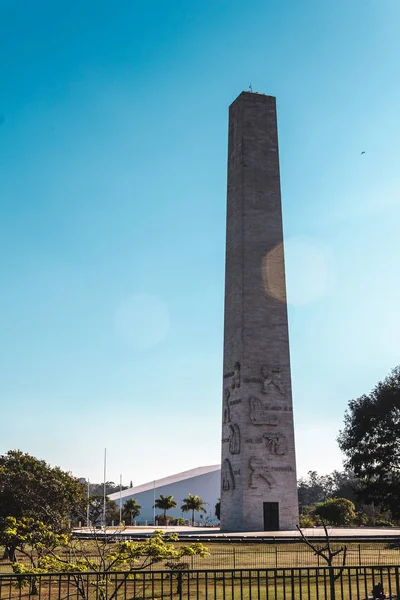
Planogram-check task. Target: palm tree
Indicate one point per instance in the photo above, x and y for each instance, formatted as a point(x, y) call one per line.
point(165, 503)
point(193, 503)
point(131, 508)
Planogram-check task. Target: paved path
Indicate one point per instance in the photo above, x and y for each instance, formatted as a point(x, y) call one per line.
point(214, 532)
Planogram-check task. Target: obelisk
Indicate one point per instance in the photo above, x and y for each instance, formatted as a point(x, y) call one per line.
point(258, 472)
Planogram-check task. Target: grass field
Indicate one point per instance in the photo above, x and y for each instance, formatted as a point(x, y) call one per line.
point(268, 556)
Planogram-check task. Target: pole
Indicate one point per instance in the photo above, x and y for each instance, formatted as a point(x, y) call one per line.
point(120, 499)
point(104, 488)
point(154, 503)
point(88, 505)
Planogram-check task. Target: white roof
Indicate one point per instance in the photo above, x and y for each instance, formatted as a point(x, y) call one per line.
point(158, 483)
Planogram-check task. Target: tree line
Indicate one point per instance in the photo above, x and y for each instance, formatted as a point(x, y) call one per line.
point(367, 492)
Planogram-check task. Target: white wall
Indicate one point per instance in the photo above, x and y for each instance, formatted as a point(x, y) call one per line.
point(207, 486)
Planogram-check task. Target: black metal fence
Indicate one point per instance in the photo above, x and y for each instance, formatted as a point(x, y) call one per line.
point(348, 583)
point(269, 557)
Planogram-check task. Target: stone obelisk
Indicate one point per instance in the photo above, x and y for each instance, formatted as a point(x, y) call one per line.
point(258, 473)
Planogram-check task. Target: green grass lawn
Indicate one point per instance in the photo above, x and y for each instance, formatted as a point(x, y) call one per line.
point(268, 556)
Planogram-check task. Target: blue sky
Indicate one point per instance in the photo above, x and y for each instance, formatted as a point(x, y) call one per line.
point(113, 142)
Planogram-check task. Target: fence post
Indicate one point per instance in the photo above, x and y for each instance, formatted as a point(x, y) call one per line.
point(359, 554)
point(276, 557)
point(234, 558)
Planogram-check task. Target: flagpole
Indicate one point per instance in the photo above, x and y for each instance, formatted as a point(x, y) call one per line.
point(104, 488)
point(120, 499)
point(154, 503)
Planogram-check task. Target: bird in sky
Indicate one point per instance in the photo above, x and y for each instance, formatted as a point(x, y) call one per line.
point(363, 152)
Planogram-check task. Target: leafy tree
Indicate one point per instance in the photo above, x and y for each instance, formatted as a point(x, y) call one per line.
point(164, 503)
point(370, 441)
point(97, 489)
point(29, 487)
point(112, 555)
point(131, 509)
point(31, 538)
point(336, 511)
point(193, 503)
point(313, 488)
point(96, 509)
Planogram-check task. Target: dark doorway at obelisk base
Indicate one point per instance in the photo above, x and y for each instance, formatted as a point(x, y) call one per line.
point(271, 516)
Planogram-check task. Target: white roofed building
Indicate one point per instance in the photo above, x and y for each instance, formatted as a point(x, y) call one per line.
point(202, 481)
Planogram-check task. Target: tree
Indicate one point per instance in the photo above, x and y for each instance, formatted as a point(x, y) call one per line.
point(164, 503)
point(33, 539)
point(313, 488)
point(336, 511)
point(131, 510)
point(97, 489)
point(218, 509)
point(111, 556)
point(328, 554)
point(96, 509)
point(29, 487)
point(370, 441)
point(193, 503)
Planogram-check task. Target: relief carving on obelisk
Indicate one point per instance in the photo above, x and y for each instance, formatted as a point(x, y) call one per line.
point(271, 380)
point(259, 471)
point(259, 413)
point(276, 443)
point(227, 409)
point(227, 476)
point(234, 376)
point(234, 439)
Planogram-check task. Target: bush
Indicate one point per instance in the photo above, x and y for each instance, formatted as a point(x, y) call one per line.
point(178, 521)
point(164, 521)
point(336, 511)
point(306, 521)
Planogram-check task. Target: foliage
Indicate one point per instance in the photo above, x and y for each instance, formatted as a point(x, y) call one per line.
point(306, 521)
point(112, 555)
point(30, 537)
point(96, 508)
point(164, 520)
point(131, 509)
point(316, 488)
point(97, 489)
point(336, 511)
point(193, 503)
point(313, 488)
point(165, 503)
point(370, 441)
point(361, 518)
point(29, 487)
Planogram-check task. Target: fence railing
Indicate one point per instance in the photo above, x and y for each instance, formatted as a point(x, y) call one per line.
point(268, 557)
point(347, 583)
